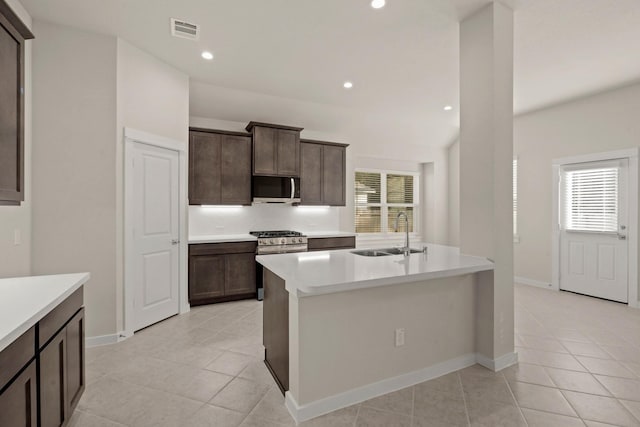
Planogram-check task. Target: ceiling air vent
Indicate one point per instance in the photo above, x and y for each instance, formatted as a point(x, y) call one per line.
point(186, 30)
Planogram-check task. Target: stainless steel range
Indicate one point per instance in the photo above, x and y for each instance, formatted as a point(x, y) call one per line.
point(280, 242)
point(276, 242)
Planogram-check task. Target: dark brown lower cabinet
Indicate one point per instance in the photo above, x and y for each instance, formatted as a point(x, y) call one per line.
point(62, 373)
point(331, 243)
point(75, 360)
point(55, 347)
point(53, 390)
point(18, 403)
point(221, 272)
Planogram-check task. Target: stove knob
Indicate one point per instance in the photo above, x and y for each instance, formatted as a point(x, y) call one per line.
point(271, 241)
point(299, 239)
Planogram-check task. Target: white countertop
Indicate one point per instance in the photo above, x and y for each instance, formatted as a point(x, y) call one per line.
point(24, 301)
point(314, 273)
point(222, 238)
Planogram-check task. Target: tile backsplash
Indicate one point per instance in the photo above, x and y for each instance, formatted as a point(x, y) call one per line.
point(205, 220)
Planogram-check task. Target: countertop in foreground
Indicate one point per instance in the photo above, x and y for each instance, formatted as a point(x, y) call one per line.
point(314, 273)
point(24, 301)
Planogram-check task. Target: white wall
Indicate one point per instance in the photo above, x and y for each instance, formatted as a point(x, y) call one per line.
point(453, 191)
point(82, 104)
point(373, 140)
point(16, 259)
point(152, 97)
point(603, 122)
point(600, 123)
point(74, 157)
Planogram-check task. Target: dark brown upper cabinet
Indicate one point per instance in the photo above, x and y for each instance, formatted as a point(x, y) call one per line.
point(276, 149)
point(219, 167)
point(13, 34)
point(323, 173)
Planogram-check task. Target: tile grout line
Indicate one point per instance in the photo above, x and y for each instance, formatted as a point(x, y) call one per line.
point(513, 396)
point(355, 420)
point(464, 399)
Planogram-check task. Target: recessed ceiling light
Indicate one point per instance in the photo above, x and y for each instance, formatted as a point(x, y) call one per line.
point(207, 55)
point(448, 108)
point(377, 4)
point(347, 85)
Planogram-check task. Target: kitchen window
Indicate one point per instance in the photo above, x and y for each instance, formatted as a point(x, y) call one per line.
point(380, 196)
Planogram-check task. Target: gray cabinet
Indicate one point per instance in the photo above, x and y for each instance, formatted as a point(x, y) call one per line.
point(13, 34)
point(219, 168)
point(323, 173)
point(276, 149)
point(221, 272)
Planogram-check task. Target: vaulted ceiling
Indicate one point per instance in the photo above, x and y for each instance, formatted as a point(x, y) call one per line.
point(402, 59)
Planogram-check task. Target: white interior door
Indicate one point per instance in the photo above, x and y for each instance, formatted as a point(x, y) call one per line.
point(593, 229)
point(155, 234)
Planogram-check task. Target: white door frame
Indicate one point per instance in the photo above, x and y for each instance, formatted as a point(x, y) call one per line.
point(131, 137)
point(632, 211)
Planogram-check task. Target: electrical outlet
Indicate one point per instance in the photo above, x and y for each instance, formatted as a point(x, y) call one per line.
point(399, 337)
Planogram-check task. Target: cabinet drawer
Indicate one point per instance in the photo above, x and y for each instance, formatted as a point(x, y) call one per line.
point(327, 243)
point(57, 318)
point(16, 356)
point(222, 248)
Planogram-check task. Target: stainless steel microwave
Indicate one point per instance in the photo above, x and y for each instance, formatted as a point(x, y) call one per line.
point(276, 189)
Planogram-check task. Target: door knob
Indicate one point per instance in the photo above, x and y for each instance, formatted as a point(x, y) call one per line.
point(622, 237)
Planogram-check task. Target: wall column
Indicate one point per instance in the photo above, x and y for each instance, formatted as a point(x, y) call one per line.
point(486, 153)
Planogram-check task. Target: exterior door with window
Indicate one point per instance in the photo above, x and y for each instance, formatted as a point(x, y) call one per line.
point(593, 229)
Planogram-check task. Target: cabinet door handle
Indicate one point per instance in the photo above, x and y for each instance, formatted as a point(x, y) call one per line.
point(175, 241)
point(293, 188)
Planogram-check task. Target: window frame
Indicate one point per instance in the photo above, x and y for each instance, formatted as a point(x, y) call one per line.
point(384, 206)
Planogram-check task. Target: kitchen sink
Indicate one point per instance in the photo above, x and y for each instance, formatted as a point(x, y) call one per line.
point(371, 252)
point(383, 252)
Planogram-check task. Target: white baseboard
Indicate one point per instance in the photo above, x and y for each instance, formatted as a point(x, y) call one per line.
point(498, 364)
point(532, 282)
point(369, 391)
point(103, 340)
point(315, 409)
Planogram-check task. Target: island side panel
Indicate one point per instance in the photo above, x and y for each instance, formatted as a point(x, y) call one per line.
point(346, 340)
point(485, 316)
point(276, 328)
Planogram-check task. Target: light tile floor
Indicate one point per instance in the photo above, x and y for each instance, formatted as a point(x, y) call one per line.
point(579, 365)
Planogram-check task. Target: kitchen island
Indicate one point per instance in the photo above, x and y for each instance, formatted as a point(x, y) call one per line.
point(41, 348)
point(340, 328)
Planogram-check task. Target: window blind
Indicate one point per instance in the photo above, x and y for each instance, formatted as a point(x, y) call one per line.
point(400, 189)
point(591, 199)
point(368, 191)
point(368, 219)
point(367, 188)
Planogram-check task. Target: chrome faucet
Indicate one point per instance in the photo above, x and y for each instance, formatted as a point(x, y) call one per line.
point(406, 249)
